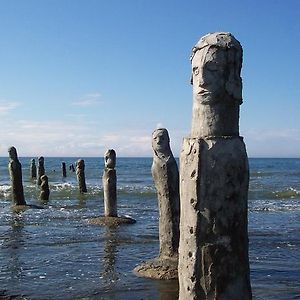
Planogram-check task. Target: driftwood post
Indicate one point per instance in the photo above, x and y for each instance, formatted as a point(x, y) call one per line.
point(32, 169)
point(214, 177)
point(81, 176)
point(71, 168)
point(63, 169)
point(40, 169)
point(166, 179)
point(15, 172)
point(109, 181)
point(45, 191)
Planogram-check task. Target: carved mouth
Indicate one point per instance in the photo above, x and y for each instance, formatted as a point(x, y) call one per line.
point(204, 92)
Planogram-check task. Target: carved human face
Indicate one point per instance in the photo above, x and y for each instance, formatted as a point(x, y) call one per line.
point(208, 74)
point(44, 178)
point(160, 140)
point(12, 153)
point(80, 164)
point(110, 159)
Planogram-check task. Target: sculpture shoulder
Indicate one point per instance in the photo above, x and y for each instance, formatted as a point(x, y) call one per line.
point(13, 164)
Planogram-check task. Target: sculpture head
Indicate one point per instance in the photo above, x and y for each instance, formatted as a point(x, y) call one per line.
point(12, 153)
point(110, 159)
point(41, 160)
point(161, 141)
point(216, 66)
point(80, 164)
point(44, 179)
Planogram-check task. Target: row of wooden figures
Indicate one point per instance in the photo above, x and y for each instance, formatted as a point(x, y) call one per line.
point(212, 261)
point(109, 179)
point(40, 169)
point(166, 178)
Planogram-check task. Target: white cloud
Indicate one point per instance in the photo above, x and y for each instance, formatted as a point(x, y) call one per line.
point(138, 142)
point(270, 134)
point(81, 138)
point(272, 142)
point(43, 138)
point(70, 138)
point(7, 106)
point(129, 142)
point(76, 135)
point(88, 100)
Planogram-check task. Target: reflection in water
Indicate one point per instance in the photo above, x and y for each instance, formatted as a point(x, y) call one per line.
point(44, 201)
point(168, 289)
point(82, 200)
point(109, 259)
point(15, 241)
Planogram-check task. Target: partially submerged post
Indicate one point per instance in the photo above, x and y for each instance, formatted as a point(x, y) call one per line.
point(32, 169)
point(40, 169)
point(45, 191)
point(72, 168)
point(166, 179)
point(63, 169)
point(214, 177)
point(109, 181)
point(15, 172)
point(81, 176)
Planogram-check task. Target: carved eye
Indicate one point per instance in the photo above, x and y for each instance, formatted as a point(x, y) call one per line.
point(195, 70)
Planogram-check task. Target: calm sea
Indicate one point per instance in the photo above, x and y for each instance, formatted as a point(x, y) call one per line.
point(53, 253)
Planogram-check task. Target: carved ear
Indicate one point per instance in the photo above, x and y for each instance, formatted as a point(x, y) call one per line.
point(233, 85)
point(234, 89)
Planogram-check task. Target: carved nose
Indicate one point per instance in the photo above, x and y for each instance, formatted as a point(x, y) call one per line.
point(201, 81)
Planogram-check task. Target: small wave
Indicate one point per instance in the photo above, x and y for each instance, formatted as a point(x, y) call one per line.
point(62, 186)
point(5, 190)
point(276, 207)
point(288, 193)
point(267, 194)
point(260, 174)
point(140, 190)
point(4, 187)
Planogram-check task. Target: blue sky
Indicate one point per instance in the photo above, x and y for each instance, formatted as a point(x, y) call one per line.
point(80, 76)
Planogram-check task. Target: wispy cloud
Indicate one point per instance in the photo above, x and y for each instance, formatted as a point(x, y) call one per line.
point(76, 138)
point(283, 142)
point(81, 138)
point(7, 106)
point(129, 142)
point(273, 134)
point(88, 100)
point(137, 142)
point(44, 138)
point(70, 138)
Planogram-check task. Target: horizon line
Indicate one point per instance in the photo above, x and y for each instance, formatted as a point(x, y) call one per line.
point(250, 157)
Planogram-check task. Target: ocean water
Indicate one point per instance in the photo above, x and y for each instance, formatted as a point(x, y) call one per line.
point(54, 253)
